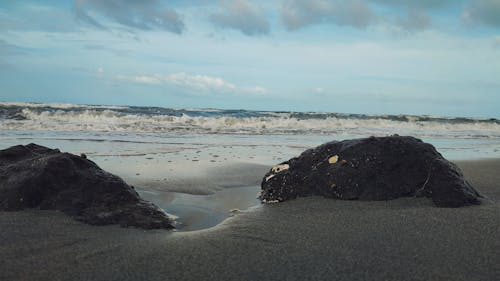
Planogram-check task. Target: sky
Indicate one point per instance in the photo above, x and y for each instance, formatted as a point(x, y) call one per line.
point(430, 57)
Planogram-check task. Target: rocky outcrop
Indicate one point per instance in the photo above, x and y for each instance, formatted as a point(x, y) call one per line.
point(375, 168)
point(34, 176)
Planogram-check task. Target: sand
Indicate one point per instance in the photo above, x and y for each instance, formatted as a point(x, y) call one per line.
point(304, 239)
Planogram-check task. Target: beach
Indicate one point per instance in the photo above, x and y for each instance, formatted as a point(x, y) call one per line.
point(249, 140)
point(205, 167)
point(305, 239)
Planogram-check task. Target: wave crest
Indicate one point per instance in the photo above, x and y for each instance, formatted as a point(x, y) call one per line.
point(166, 120)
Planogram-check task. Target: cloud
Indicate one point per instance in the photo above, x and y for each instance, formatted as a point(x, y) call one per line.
point(197, 83)
point(416, 4)
point(483, 11)
point(143, 15)
point(410, 15)
point(243, 16)
point(496, 43)
point(416, 12)
point(416, 20)
point(296, 14)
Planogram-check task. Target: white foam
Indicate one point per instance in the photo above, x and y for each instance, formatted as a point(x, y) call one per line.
point(107, 119)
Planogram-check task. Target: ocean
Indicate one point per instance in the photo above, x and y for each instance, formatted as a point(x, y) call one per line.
point(202, 165)
point(455, 137)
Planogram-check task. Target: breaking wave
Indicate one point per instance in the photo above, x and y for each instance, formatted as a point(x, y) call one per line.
point(67, 117)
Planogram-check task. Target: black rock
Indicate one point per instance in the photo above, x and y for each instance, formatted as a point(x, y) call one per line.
point(375, 168)
point(34, 176)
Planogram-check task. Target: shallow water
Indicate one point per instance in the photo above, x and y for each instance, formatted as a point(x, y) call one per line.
point(195, 212)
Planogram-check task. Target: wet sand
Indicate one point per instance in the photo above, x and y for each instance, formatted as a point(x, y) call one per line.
point(305, 239)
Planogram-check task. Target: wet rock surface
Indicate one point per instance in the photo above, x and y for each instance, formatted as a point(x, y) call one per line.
point(34, 176)
point(375, 168)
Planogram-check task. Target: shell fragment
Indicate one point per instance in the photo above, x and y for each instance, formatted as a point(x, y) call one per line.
point(279, 168)
point(333, 159)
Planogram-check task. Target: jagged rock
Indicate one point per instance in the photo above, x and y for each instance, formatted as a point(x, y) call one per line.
point(34, 176)
point(375, 168)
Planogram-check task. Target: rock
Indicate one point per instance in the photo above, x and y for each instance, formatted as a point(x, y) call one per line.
point(375, 168)
point(34, 176)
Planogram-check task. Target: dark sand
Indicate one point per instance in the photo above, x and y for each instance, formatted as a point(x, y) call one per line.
point(304, 239)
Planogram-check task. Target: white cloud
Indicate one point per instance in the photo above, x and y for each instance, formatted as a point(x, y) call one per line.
point(198, 83)
point(142, 79)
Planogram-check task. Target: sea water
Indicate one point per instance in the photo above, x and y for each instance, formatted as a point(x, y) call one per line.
point(204, 164)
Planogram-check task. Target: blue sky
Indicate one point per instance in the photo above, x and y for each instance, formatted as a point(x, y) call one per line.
point(358, 56)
